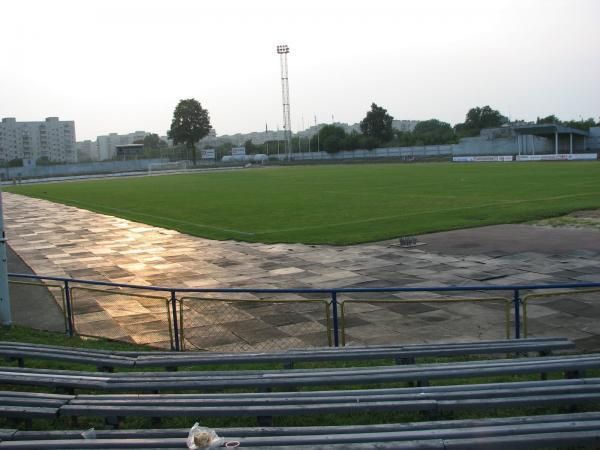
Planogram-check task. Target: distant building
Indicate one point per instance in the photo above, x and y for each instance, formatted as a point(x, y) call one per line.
point(404, 125)
point(51, 139)
point(87, 150)
point(257, 137)
point(210, 140)
point(130, 151)
point(106, 145)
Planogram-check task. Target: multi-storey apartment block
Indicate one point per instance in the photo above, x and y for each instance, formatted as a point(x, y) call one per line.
point(51, 139)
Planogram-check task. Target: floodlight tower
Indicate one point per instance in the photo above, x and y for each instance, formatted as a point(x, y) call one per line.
point(283, 51)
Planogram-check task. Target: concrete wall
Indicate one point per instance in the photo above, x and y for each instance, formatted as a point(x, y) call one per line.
point(466, 147)
point(393, 152)
point(78, 169)
point(593, 142)
point(484, 146)
point(475, 146)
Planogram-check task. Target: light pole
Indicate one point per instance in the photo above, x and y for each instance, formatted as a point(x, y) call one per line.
point(5, 312)
point(283, 51)
point(318, 146)
point(277, 136)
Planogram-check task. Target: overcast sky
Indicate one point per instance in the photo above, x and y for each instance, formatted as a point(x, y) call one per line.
point(122, 65)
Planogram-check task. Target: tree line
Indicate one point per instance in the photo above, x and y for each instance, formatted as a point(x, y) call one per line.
point(191, 123)
point(377, 131)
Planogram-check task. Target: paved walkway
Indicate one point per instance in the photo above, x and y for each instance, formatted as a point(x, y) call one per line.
point(32, 305)
point(59, 240)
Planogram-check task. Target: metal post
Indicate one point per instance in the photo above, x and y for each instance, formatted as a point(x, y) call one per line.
point(69, 311)
point(517, 306)
point(334, 311)
point(5, 311)
point(571, 143)
point(175, 321)
point(556, 142)
point(319, 140)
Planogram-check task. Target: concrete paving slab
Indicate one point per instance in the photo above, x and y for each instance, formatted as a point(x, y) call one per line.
point(55, 239)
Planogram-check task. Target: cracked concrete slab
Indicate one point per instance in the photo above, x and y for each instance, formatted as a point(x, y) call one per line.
point(59, 240)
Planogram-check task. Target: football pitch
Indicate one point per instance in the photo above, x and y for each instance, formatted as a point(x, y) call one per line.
point(341, 204)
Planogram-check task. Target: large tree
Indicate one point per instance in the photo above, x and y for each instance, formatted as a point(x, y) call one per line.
point(433, 132)
point(190, 123)
point(552, 119)
point(377, 124)
point(332, 138)
point(478, 118)
point(581, 124)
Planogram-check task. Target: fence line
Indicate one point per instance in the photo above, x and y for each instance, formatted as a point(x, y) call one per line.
point(527, 299)
point(48, 286)
point(506, 303)
point(208, 317)
point(334, 308)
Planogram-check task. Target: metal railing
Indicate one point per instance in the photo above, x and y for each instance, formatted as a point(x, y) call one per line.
point(538, 297)
point(504, 302)
point(334, 309)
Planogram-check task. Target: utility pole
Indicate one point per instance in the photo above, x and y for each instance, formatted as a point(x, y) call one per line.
point(5, 312)
point(318, 147)
point(278, 143)
point(267, 139)
point(303, 129)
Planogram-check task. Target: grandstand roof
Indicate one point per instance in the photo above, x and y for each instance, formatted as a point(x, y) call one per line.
point(548, 129)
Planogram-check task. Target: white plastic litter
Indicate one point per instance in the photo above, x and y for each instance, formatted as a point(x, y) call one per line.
point(202, 437)
point(89, 434)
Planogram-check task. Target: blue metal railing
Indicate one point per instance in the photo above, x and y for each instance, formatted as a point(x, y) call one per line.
point(332, 292)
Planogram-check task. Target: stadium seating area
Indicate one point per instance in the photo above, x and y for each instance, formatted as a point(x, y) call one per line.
point(400, 382)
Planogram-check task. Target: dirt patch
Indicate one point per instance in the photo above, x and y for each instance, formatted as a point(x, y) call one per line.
point(589, 219)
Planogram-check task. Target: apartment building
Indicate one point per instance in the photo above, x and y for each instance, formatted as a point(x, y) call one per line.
point(52, 139)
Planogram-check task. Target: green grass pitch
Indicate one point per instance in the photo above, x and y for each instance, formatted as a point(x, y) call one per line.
point(341, 204)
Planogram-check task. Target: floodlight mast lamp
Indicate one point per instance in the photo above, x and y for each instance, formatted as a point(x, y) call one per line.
point(283, 51)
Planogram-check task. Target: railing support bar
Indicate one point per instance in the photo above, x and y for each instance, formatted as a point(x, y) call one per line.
point(334, 311)
point(177, 346)
point(69, 311)
point(517, 306)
